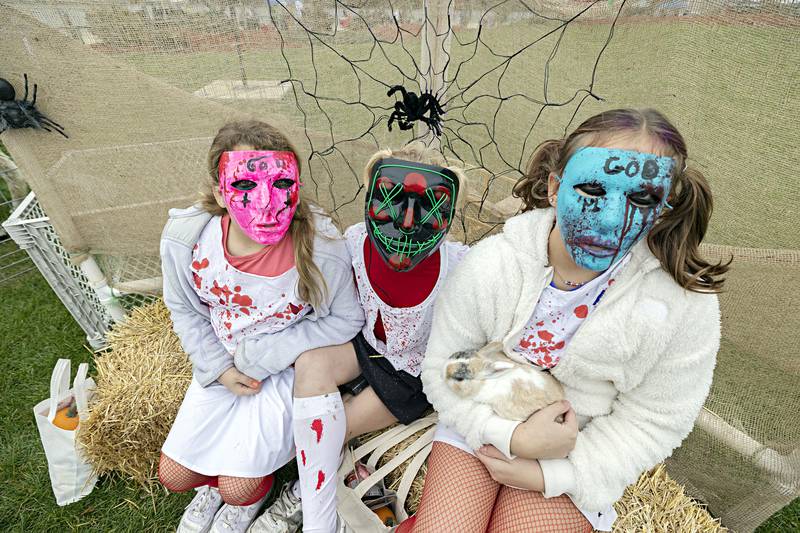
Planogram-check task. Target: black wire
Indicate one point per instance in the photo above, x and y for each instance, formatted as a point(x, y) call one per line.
point(455, 95)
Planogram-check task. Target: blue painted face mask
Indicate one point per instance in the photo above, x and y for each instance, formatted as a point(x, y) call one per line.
point(608, 199)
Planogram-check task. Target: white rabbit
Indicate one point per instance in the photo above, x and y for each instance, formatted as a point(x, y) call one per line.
point(513, 390)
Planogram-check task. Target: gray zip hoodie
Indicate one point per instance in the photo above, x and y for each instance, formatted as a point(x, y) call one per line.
point(337, 320)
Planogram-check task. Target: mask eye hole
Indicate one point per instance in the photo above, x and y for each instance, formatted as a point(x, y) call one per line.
point(384, 183)
point(376, 212)
point(283, 183)
point(590, 190)
point(244, 185)
point(644, 199)
point(439, 192)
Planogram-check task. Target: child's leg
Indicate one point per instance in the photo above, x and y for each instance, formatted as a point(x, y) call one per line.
point(366, 413)
point(320, 427)
point(177, 478)
point(242, 491)
point(523, 511)
point(459, 493)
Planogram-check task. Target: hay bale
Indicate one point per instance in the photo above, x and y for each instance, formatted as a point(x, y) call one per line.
point(655, 503)
point(141, 381)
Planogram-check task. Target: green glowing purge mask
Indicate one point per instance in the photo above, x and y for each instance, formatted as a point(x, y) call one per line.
point(409, 209)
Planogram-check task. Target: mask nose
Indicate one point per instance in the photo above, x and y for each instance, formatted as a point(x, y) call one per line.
point(408, 222)
point(613, 216)
point(265, 212)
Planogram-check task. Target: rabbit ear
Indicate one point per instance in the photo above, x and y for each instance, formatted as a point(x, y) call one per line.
point(492, 347)
point(499, 366)
point(496, 369)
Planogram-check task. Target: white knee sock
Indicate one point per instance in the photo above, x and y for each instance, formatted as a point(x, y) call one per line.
point(319, 432)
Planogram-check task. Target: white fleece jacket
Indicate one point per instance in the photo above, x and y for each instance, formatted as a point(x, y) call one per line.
point(636, 372)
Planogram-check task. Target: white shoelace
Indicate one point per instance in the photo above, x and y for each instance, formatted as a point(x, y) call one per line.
point(199, 507)
point(283, 507)
point(231, 516)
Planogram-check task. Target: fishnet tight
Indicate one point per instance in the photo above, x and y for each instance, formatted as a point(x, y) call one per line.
point(234, 490)
point(459, 495)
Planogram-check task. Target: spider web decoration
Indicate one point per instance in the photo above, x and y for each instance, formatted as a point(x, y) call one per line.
point(484, 51)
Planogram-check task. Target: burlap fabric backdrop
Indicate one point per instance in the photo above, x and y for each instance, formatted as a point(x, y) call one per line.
point(141, 88)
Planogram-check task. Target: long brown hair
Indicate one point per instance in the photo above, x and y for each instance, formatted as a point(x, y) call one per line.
point(311, 286)
point(676, 236)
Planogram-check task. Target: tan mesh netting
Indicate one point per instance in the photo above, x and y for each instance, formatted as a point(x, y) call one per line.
point(142, 86)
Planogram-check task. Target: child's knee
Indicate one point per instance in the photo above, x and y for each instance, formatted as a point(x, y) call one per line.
point(243, 491)
point(162, 476)
point(174, 476)
point(311, 366)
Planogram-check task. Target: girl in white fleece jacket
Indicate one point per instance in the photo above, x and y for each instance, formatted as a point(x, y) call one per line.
point(599, 280)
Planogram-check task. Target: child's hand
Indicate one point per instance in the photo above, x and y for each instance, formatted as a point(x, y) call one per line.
point(549, 433)
point(518, 473)
point(238, 383)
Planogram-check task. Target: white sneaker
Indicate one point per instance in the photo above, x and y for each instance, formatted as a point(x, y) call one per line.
point(199, 514)
point(285, 515)
point(235, 518)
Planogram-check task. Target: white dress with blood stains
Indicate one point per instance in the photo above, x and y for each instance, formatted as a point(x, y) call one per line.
point(217, 432)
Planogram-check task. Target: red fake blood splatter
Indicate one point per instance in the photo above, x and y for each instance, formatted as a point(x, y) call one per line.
point(198, 281)
point(242, 300)
point(303, 456)
point(219, 292)
point(545, 335)
point(295, 308)
point(316, 426)
point(540, 324)
point(320, 479)
point(200, 265)
point(581, 311)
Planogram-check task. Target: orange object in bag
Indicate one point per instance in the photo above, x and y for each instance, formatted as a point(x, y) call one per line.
point(386, 515)
point(67, 417)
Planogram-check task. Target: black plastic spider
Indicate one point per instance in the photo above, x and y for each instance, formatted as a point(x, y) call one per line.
point(414, 108)
point(21, 113)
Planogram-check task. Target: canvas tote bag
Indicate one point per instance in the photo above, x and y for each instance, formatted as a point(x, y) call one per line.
point(70, 475)
point(356, 517)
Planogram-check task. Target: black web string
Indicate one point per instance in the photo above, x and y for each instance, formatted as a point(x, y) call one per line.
point(452, 96)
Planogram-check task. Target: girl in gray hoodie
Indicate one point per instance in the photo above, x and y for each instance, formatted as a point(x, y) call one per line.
point(253, 277)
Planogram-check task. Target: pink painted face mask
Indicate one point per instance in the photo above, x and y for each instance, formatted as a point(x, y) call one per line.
point(261, 189)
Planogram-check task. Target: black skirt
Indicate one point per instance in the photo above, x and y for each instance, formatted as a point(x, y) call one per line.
point(399, 391)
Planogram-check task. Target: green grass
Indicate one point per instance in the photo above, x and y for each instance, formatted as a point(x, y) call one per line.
point(784, 521)
point(35, 331)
